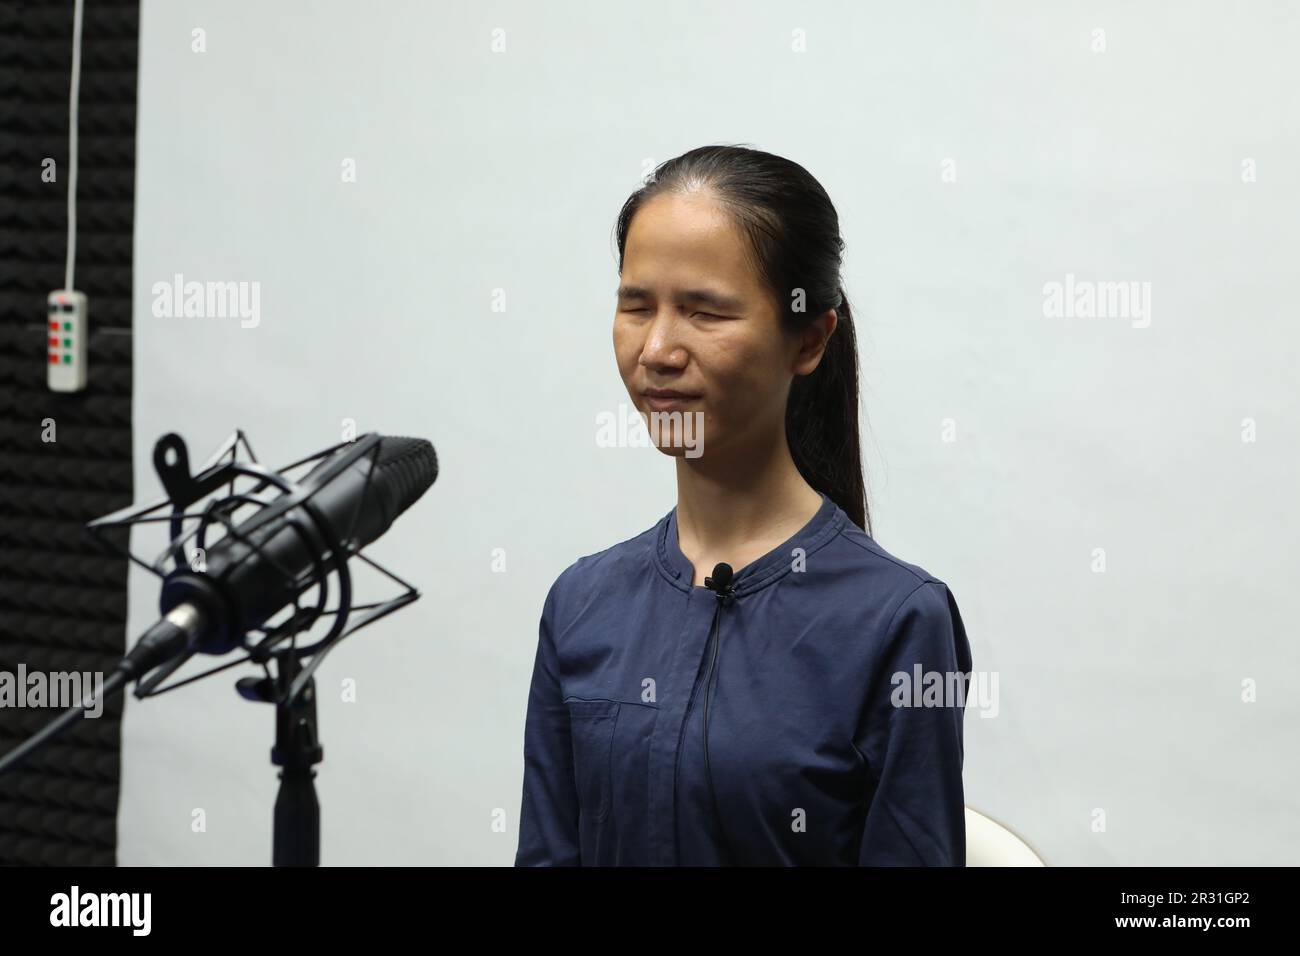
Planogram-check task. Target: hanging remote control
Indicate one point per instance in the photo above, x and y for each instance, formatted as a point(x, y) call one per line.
point(66, 333)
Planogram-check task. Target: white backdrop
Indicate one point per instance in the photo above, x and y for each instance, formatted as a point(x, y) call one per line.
point(975, 151)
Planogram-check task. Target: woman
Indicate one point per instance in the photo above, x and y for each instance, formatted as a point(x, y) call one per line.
point(683, 714)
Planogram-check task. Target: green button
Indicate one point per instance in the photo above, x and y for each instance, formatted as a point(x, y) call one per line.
point(67, 360)
point(67, 326)
point(67, 343)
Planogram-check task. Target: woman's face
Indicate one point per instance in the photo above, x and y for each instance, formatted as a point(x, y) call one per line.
point(693, 317)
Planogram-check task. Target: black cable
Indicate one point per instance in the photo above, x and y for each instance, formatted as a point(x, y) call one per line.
point(724, 597)
point(112, 684)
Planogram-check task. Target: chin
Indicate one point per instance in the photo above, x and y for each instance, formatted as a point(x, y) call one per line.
point(673, 451)
point(677, 441)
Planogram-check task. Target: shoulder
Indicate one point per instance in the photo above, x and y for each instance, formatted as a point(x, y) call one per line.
point(578, 585)
point(913, 612)
point(879, 591)
point(883, 573)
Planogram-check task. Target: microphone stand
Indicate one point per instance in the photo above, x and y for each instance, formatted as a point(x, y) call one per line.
point(296, 840)
point(292, 688)
point(296, 824)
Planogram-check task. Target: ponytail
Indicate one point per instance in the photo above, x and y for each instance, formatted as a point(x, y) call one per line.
point(821, 422)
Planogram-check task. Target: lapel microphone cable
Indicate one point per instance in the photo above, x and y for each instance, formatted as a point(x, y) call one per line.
point(720, 583)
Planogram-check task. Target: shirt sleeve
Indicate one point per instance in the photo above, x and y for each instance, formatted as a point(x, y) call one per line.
point(911, 736)
point(548, 816)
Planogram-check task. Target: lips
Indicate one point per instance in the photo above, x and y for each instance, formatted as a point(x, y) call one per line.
point(666, 399)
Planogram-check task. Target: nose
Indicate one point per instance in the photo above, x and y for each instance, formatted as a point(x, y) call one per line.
point(663, 348)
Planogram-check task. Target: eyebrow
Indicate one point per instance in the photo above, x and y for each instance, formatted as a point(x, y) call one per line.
point(700, 296)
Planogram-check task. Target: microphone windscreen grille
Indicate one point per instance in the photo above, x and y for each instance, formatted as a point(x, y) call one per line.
point(404, 470)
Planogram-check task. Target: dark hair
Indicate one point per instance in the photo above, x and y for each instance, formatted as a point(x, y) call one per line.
point(795, 244)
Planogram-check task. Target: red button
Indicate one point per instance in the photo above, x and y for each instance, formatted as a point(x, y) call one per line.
point(54, 341)
point(54, 326)
point(54, 358)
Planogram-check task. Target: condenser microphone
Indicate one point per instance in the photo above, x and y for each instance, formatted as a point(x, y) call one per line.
point(261, 566)
point(264, 563)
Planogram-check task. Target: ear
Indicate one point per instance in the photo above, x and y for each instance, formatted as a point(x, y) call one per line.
point(812, 342)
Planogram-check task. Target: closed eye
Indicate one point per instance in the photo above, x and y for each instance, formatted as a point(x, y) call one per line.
point(707, 315)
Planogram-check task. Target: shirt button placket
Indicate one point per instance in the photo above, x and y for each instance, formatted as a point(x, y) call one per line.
point(692, 639)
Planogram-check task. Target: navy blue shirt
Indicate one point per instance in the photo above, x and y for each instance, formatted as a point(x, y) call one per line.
point(812, 759)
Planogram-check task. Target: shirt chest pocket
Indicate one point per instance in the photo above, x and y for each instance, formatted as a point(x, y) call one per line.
point(591, 723)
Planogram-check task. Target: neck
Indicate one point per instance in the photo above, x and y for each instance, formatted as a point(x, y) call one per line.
point(753, 496)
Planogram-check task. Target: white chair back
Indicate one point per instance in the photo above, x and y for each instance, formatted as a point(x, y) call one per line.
point(989, 843)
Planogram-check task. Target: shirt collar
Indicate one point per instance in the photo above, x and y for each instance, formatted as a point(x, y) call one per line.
point(675, 566)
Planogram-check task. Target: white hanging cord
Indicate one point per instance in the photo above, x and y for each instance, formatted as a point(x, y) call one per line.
point(73, 95)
